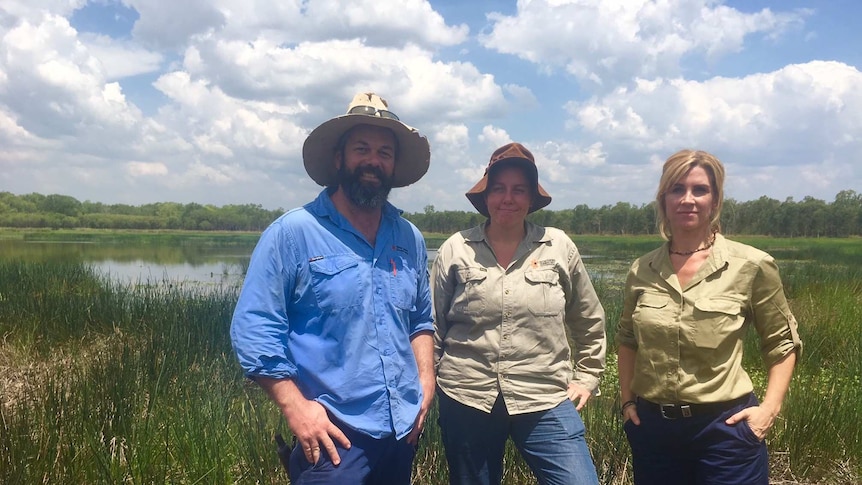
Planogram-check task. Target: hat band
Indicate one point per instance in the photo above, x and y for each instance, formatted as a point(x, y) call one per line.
point(372, 111)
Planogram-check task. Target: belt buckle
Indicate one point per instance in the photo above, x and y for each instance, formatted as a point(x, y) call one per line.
point(664, 409)
point(684, 410)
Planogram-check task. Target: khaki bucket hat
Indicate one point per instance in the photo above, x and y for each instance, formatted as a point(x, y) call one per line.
point(412, 158)
point(507, 156)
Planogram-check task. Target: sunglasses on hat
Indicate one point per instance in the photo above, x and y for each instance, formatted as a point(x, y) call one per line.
point(372, 111)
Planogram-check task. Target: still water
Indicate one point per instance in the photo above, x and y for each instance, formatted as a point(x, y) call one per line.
point(148, 262)
point(141, 263)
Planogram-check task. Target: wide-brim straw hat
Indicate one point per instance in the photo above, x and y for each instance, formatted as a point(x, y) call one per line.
point(507, 156)
point(412, 158)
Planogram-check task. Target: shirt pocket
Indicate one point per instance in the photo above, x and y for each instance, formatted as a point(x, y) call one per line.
point(715, 320)
point(470, 300)
point(652, 310)
point(544, 295)
point(337, 282)
point(402, 284)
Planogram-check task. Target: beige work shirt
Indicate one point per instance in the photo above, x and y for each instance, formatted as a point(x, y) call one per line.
point(511, 331)
point(689, 341)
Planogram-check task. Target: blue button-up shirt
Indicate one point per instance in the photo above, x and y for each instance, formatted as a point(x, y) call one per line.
point(323, 307)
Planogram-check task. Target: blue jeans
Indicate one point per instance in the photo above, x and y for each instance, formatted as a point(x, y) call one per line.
point(551, 442)
point(369, 461)
point(700, 450)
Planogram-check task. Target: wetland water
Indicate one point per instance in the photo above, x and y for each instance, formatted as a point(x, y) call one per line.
point(150, 262)
point(145, 263)
point(175, 261)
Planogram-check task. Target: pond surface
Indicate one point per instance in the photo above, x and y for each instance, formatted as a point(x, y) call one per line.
point(149, 262)
point(178, 260)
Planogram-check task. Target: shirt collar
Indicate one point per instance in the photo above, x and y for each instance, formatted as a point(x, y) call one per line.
point(718, 257)
point(535, 233)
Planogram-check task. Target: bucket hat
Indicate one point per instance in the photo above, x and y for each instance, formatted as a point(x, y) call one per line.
point(412, 157)
point(510, 154)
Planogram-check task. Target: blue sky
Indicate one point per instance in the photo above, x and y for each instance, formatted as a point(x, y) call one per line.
point(209, 101)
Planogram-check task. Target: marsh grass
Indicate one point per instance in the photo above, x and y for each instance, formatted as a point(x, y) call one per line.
point(110, 383)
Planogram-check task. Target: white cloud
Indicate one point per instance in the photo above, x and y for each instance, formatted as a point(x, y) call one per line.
point(121, 58)
point(138, 169)
point(257, 132)
point(57, 89)
point(382, 23)
point(170, 24)
point(602, 43)
point(175, 25)
point(35, 10)
point(493, 137)
point(796, 111)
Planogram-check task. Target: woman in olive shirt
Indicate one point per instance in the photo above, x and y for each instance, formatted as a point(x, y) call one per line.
point(513, 308)
point(690, 413)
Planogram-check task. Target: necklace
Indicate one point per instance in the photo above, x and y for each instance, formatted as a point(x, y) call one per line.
point(687, 253)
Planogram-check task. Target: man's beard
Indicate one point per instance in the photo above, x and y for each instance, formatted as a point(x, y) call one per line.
point(361, 194)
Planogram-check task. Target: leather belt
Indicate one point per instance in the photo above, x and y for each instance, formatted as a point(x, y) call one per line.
point(682, 410)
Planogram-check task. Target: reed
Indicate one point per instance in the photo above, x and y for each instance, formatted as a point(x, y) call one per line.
point(108, 383)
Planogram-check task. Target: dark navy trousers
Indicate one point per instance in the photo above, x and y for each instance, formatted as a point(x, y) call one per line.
point(369, 461)
point(697, 450)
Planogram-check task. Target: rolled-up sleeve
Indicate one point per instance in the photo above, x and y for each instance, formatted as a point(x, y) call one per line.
point(260, 326)
point(625, 330)
point(775, 324)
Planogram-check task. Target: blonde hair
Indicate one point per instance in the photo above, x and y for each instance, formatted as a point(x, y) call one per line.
point(676, 166)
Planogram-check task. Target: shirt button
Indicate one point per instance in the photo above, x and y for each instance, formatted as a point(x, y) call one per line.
point(507, 292)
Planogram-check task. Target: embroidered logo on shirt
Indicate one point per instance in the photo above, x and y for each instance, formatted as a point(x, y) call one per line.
point(400, 249)
point(547, 262)
point(315, 258)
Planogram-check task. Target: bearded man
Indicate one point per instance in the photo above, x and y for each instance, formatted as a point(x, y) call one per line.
point(334, 317)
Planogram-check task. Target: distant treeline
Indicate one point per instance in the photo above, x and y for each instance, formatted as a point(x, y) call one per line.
point(809, 217)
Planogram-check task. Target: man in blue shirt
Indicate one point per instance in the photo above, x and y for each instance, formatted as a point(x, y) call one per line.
point(334, 318)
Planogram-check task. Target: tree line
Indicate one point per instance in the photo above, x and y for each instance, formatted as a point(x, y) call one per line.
point(809, 217)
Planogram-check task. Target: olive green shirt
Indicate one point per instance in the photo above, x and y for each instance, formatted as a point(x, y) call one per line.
point(512, 331)
point(689, 341)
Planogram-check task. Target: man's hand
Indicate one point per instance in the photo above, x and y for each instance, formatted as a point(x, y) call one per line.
point(428, 389)
point(423, 350)
point(313, 430)
point(308, 420)
point(578, 395)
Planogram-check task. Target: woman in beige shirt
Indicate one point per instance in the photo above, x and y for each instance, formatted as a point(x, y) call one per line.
point(512, 304)
point(690, 413)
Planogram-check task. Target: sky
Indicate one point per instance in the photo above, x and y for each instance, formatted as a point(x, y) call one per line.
point(210, 101)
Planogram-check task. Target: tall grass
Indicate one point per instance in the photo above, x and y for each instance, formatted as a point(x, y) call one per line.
point(109, 383)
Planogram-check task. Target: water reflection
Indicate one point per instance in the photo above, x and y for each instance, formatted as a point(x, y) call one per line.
point(145, 272)
point(189, 261)
point(150, 262)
